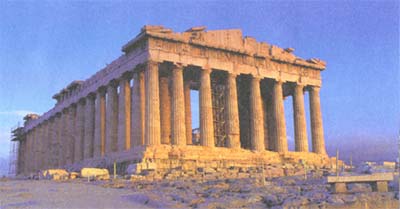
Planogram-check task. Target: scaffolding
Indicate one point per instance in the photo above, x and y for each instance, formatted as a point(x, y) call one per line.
point(13, 158)
point(16, 137)
point(219, 111)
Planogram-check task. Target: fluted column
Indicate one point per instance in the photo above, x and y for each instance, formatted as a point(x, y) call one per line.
point(31, 160)
point(112, 118)
point(266, 124)
point(124, 114)
point(300, 129)
point(49, 144)
point(233, 131)
point(43, 144)
point(26, 153)
point(56, 141)
point(257, 119)
point(89, 119)
point(317, 130)
point(270, 122)
point(69, 135)
point(188, 113)
point(206, 111)
point(39, 157)
point(79, 131)
point(21, 158)
point(152, 121)
point(100, 124)
point(28, 149)
point(25, 170)
point(178, 107)
point(72, 138)
point(138, 109)
point(279, 118)
point(165, 114)
point(37, 147)
point(32, 155)
point(63, 137)
point(44, 147)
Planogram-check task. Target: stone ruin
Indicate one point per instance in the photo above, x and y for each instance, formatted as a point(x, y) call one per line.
point(137, 110)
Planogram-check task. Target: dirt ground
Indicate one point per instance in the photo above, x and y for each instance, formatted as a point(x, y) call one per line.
point(282, 192)
point(51, 194)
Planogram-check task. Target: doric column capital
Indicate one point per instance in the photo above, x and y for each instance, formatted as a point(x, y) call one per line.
point(57, 114)
point(151, 63)
point(126, 76)
point(310, 88)
point(72, 106)
point(91, 96)
point(65, 110)
point(256, 78)
point(299, 85)
point(102, 90)
point(136, 75)
point(113, 83)
point(232, 74)
point(51, 119)
point(82, 101)
point(278, 81)
point(178, 66)
point(206, 70)
point(314, 88)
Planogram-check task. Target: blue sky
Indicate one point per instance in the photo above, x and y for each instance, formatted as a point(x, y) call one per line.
point(46, 45)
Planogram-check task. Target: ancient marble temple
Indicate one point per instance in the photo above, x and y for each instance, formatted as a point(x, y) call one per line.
point(138, 108)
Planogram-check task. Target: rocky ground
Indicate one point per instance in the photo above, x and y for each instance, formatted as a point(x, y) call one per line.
point(281, 192)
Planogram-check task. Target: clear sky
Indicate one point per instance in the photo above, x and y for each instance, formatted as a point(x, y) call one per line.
point(46, 45)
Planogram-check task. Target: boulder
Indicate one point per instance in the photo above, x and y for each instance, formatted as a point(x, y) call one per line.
point(73, 175)
point(335, 200)
point(349, 198)
point(96, 173)
point(272, 200)
point(54, 174)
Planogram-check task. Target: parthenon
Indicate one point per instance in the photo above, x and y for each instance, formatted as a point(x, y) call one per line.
point(138, 108)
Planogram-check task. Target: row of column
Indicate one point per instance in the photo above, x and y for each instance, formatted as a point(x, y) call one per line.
point(107, 121)
point(278, 129)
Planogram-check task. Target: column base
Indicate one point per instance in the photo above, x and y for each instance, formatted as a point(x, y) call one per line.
point(161, 161)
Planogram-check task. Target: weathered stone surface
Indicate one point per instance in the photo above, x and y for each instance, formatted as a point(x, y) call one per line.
point(54, 174)
point(97, 173)
point(73, 175)
point(105, 119)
